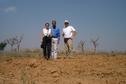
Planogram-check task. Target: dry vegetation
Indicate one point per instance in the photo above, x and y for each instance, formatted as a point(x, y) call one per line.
point(31, 68)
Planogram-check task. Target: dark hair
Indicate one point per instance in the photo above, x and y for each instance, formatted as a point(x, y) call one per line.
point(54, 21)
point(66, 23)
point(46, 23)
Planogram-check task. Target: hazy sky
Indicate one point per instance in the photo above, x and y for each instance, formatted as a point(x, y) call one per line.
point(105, 19)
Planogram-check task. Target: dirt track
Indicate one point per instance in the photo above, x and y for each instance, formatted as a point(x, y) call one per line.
point(96, 69)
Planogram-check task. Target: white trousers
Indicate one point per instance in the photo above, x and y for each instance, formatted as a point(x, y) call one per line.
point(54, 49)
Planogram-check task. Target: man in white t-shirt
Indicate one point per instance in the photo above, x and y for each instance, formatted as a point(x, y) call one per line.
point(69, 33)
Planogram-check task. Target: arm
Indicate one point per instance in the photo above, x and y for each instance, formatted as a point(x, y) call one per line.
point(58, 33)
point(63, 34)
point(58, 36)
point(42, 35)
point(74, 33)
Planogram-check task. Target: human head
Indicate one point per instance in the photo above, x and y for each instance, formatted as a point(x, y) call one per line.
point(53, 23)
point(47, 25)
point(66, 23)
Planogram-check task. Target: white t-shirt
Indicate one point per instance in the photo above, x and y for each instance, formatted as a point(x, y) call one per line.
point(46, 32)
point(68, 31)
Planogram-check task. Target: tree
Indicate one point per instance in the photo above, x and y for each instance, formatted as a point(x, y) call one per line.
point(81, 45)
point(2, 46)
point(15, 41)
point(95, 43)
point(19, 40)
point(11, 42)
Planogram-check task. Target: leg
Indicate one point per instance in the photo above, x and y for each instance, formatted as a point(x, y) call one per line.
point(52, 49)
point(66, 48)
point(55, 47)
point(70, 46)
point(44, 47)
point(44, 51)
point(49, 50)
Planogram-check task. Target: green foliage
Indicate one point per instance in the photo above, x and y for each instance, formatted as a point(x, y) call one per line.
point(2, 45)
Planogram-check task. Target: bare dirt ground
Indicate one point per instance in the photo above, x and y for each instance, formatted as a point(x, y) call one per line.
point(80, 69)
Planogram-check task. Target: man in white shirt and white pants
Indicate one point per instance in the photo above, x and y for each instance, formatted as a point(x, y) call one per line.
point(69, 33)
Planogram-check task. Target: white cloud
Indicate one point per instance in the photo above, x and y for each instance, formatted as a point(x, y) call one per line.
point(10, 9)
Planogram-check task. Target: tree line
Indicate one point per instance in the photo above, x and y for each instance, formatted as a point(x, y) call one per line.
point(94, 42)
point(14, 41)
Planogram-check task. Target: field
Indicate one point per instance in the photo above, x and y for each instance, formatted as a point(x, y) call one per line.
point(78, 69)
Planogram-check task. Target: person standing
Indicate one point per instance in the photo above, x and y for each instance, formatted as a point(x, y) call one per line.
point(46, 41)
point(69, 33)
point(55, 39)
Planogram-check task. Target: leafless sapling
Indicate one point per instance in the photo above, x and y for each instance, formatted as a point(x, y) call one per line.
point(95, 43)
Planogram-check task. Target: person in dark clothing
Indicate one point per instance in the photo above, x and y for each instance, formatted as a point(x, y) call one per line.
point(46, 41)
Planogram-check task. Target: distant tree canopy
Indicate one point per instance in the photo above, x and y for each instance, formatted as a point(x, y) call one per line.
point(2, 46)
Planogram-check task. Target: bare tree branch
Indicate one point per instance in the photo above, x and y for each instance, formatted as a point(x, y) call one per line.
point(81, 45)
point(95, 43)
point(15, 41)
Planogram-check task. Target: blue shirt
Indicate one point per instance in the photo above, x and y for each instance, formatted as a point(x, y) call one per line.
point(56, 32)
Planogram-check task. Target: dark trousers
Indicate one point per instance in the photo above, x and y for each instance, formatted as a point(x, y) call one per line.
point(47, 47)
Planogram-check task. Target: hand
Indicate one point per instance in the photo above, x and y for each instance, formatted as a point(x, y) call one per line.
point(63, 34)
point(58, 41)
point(50, 35)
point(72, 37)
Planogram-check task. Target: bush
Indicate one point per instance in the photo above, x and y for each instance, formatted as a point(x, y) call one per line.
point(2, 45)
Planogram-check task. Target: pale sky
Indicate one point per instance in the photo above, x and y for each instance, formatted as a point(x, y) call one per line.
point(105, 19)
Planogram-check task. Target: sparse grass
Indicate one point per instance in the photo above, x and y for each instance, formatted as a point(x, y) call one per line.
point(25, 53)
point(37, 53)
point(24, 78)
